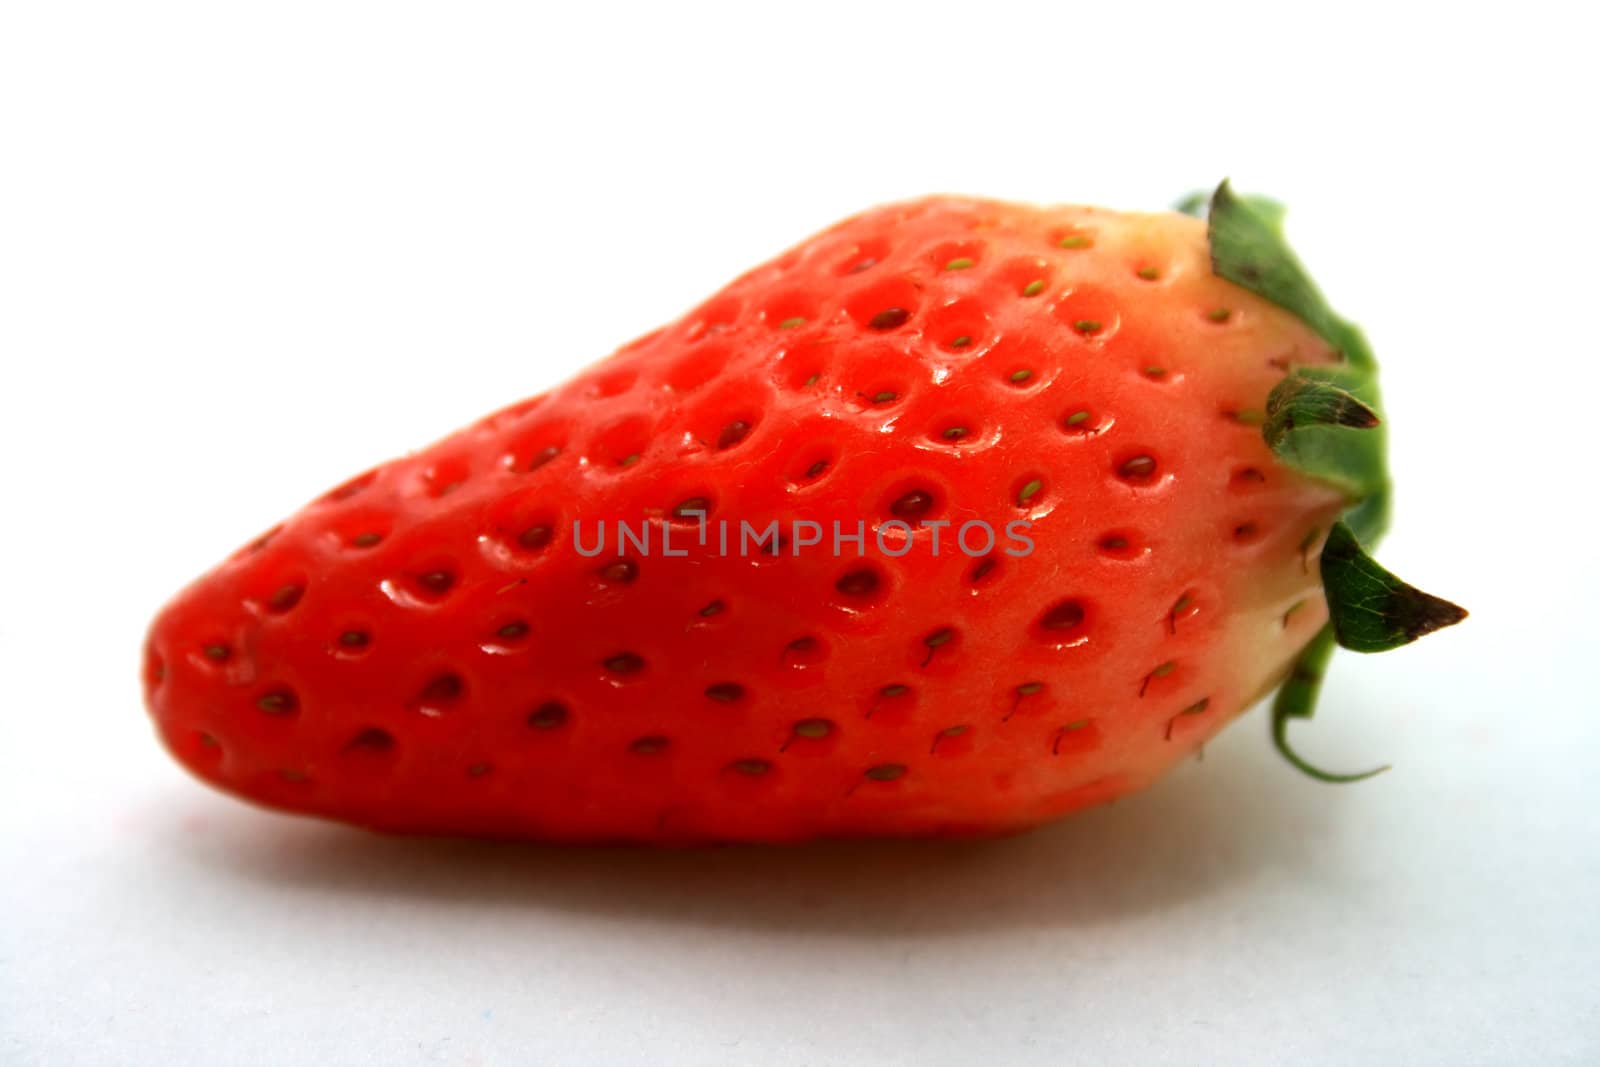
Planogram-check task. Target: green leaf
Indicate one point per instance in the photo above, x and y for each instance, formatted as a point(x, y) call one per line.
point(1319, 426)
point(1323, 420)
point(1248, 249)
point(1198, 202)
point(1302, 400)
point(1298, 700)
point(1371, 609)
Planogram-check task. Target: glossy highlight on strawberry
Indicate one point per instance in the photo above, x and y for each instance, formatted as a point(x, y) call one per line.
point(1026, 504)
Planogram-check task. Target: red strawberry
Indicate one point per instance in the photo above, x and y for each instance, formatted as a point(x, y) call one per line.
point(1169, 410)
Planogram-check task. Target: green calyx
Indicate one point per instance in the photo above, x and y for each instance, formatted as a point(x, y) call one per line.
point(1325, 421)
point(1377, 611)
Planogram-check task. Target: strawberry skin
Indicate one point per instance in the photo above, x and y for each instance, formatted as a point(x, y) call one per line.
point(426, 648)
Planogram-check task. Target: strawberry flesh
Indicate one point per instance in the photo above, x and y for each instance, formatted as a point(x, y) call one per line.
point(433, 647)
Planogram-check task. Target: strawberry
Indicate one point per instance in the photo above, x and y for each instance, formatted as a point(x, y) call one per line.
point(957, 517)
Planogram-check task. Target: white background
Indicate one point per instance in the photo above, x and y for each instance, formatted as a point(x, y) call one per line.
point(246, 250)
